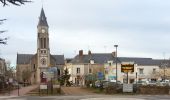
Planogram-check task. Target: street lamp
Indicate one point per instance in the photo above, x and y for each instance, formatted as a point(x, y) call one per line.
point(116, 61)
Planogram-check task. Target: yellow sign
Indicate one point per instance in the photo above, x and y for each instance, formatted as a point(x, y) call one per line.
point(127, 67)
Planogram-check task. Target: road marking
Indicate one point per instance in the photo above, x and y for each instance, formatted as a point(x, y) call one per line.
point(112, 99)
point(16, 99)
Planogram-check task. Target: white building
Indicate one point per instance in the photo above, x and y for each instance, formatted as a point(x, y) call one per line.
point(144, 69)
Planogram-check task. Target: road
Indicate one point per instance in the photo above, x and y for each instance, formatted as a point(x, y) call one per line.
point(91, 97)
point(76, 91)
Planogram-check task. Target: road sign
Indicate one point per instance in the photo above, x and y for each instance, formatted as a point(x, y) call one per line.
point(43, 86)
point(127, 87)
point(10, 80)
point(127, 67)
point(100, 75)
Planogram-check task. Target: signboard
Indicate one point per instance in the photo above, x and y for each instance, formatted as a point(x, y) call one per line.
point(127, 87)
point(10, 80)
point(127, 67)
point(100, 75)
point(43, 86)
point(56, 86)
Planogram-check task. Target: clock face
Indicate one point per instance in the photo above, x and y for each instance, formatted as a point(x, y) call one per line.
point(43, 61)
point(43, 30)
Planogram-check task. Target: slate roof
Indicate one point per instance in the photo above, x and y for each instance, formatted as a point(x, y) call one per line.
point(25, 58)
point(59, 59)
point(99, 58)
point(42, 19)
point(102, 58)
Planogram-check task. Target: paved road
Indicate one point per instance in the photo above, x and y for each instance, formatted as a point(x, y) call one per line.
point(76, 91)
point(91, 97)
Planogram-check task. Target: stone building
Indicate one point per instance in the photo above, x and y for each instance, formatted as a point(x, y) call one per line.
point(42, 60)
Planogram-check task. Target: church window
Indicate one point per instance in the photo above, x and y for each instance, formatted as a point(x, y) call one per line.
point(41, 43)
point(44, 42)
point(34, 66)
point(43, 61)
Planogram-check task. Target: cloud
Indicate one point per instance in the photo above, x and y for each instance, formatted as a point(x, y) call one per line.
point(139, 27)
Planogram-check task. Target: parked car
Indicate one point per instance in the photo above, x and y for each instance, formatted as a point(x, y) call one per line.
point(163, 83)
point(100, 83)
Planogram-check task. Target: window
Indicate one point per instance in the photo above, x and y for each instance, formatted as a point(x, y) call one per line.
point(140, 71)
point(154, 70)
point(58, 71)
point(41, 43)
point(34, 66)
point(110, 63)
point(90, 70)
point(91, 61)
point(78, 70)
point(44, 42)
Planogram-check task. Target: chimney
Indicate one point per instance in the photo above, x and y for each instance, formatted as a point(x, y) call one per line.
point(89, 52)
point(80, 52)
point(114, 54)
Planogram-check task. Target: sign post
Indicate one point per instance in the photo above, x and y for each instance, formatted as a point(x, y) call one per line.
point(126, 68)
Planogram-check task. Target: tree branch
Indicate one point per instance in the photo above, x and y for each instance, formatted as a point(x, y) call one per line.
point(14, 2)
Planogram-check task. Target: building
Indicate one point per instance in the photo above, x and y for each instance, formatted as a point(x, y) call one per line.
point(42, 60)
point(102, 66)
point(85, 67)
point(145, 69)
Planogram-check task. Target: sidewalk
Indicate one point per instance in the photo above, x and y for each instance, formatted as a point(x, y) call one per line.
point(22, 91)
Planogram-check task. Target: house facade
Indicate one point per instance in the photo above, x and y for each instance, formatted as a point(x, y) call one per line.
point(145, 69)
point(95, 64)
point(90, 66)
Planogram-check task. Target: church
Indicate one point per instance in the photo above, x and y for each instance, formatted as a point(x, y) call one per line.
point(29, 66)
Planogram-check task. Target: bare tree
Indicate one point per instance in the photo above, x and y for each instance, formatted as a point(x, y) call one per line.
point(154, 75)
point(26, 75)
point(3, 40)
point(14, 2)
point(7, 2)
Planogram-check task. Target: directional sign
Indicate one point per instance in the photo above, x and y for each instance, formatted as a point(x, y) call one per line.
point(127, 67)
point(100, 75)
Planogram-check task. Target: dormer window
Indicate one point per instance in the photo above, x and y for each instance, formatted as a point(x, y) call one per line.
point(110, 63)
point(91, 61)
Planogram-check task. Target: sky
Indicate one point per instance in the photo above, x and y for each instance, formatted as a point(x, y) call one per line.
point(140, 28)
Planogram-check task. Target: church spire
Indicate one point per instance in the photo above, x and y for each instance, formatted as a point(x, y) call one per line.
point(42, 19)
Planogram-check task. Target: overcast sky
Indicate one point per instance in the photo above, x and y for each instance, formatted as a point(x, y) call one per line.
point(141, 28)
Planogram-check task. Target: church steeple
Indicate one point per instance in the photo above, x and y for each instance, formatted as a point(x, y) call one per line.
point(42, 19)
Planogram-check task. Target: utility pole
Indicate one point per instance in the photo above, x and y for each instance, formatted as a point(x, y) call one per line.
point(116, 61)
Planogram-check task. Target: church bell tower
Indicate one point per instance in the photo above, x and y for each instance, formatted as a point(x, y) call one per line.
point(43, 50)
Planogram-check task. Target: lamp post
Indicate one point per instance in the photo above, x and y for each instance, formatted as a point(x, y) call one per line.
point(116, 61)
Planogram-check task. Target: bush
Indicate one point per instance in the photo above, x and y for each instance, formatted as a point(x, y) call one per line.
point(154, 89)
point(113, 89)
